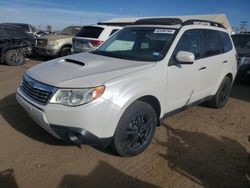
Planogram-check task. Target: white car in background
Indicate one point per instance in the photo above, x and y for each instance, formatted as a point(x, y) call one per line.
point(90, 37)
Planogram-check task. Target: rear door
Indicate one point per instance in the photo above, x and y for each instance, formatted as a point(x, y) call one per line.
point(213, 59)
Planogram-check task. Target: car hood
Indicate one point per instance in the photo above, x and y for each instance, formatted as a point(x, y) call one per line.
point(55, 37)
point(84, 70)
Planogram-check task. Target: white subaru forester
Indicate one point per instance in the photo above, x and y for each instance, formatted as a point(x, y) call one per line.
point(117, 94)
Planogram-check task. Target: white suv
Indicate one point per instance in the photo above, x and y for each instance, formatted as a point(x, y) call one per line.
point(119, 93)
point(90, 37)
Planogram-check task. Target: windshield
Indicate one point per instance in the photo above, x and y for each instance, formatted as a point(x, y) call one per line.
point(138, 43)
point(24, 27)
point(70, 31)
point(90, 32)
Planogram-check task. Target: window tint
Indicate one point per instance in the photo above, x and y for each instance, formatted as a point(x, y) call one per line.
point(190, 42)
point(71, 30)
point(138, 43)
point(2, 33)
point(24, 27)
point(90, 32)
point(124, 43)
point(113, 31)
point(14, 33)
point(241, 41)
point(212, 43)
point(227, 44)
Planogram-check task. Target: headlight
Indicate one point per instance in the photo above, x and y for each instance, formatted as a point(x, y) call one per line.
point(53, 43)
point(76, 97)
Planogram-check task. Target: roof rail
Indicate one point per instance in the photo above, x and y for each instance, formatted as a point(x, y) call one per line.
point(212, 23)
point(115, 23)
point(158, 21)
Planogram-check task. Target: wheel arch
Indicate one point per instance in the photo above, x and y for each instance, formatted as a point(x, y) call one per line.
point(66, 46)
point(224, 74)
point(230, 75)
point(153, 102)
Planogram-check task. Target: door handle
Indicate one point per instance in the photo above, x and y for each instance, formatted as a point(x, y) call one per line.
point(202, 68)
point(225, 61)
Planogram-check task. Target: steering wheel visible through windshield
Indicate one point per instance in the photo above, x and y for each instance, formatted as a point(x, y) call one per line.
point(138, 43)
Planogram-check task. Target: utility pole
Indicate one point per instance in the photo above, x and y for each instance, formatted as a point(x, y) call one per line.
point(243, 26)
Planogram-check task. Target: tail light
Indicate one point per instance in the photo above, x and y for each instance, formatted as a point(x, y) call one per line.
point(96, 42)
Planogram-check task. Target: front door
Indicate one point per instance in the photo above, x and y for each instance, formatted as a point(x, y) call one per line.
point(185, 80)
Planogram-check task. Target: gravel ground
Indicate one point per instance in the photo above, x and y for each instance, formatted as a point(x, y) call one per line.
point(200, 147)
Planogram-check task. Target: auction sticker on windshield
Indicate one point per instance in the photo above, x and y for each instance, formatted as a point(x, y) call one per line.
point(165, 31)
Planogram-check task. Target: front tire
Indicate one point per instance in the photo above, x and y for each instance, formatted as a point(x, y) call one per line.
point(223, 93)
point(135, 129)
point(14, 57)
point(65, 51)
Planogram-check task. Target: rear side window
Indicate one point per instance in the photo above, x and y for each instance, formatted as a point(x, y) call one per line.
point(90, 32)
point(212, 45)
point(227, 44)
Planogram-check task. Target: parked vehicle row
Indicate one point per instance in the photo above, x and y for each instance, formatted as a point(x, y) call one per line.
point(14, 45)
point(242, 44)
point(90, 37)
point(18, 40)
point(59, 44)
point(117, 94)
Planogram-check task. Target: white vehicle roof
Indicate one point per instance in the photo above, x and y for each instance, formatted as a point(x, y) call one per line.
point(104, 26)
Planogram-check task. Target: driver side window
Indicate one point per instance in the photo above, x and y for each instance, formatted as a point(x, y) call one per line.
point(190, 42)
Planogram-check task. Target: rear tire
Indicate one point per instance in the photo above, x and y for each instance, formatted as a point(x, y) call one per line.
point(135, 129)
point(222, 95)
point(14, 57)
point(65, 51)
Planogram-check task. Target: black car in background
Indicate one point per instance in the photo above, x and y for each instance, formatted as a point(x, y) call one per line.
point(28, 29)
point(14, 45)
point(242, 45)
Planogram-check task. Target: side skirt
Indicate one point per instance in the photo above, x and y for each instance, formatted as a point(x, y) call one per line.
point(185, 107)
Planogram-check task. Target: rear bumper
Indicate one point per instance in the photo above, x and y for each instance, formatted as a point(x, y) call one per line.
point(76, 50)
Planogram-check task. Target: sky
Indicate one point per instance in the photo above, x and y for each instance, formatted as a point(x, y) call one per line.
point(60, 13)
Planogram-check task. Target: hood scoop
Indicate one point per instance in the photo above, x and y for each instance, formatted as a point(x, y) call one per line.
point(72, 61)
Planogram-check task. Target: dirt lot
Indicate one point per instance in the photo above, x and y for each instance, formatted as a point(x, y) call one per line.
point(200, 147)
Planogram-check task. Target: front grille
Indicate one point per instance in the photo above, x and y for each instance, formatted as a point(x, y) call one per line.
point(37, 91)
point(41, 42)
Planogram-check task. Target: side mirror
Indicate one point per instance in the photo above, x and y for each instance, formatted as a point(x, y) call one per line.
point(184, 57)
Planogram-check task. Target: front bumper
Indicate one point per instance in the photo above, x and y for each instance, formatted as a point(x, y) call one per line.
point(47, 51)
point(93, 123)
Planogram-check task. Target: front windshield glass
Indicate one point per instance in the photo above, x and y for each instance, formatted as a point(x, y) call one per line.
point(70, 30)
point(138, 43)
